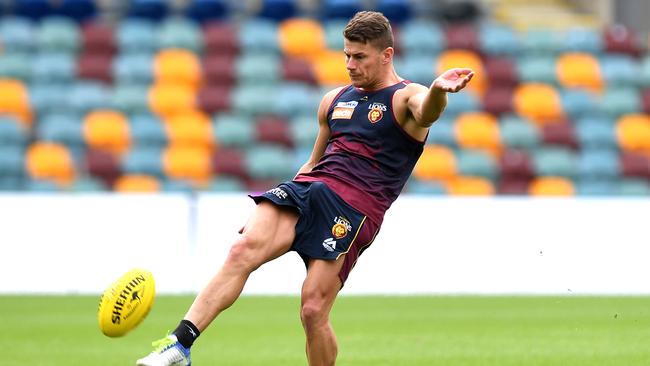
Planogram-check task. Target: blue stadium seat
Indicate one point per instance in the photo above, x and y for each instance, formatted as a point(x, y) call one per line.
point(17, 35)
point(15, 66)
point(130, 98)
point(417, 186)
point(442, 132)
point(12, 161)
point(555, 162)
point(133, 68)
point(269, 162)
point(418, 68)
point(539, 68)
point(595, 188)
point(61, 128)
point(304, 130)
point(58, 34)
point(10, 183)
point(598, 165)
point(582, 40)
point(46, 97)
point(233, 130)
point(41, 186)
point(147, 131)
point(397, 11)
point(87, 184)
point(620, 71)
point(334, 33)
point(253, 100)
point(519, 134)
point(278, 10)
point(538, 42)
point(179, 33)
point(77, 10)
point(56, 68)
point(83, 97)
point(33, 9)
point(12, 133)
point(421, 38)
point(227, 184)
point(149, 9)
point(259, 36)
point(339, 9)
point(136, 36)
point(461, 103)
point(596, 133)
point(143, 160)
point(207, 10)
point(476, 163)
point(297, 99)
point(618, 101)
point(633, 187)
point(258, 69)
point(497, 39)
point(644, 76)
point(578, 103)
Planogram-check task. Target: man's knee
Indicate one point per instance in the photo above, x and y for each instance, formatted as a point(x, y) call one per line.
point(245, 253)
point(314, 311)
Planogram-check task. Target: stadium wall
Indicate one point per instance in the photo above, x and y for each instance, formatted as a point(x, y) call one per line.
point(428, 245)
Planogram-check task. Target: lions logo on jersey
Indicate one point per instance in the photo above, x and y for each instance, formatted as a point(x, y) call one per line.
point(376, 112)
point(341, 227)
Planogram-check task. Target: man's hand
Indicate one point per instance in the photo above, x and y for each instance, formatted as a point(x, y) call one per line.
point(453, 80)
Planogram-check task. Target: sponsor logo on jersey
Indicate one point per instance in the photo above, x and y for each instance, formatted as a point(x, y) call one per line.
point(344, 110)
point(278, 192)
point(329, 244)
point(341, 227)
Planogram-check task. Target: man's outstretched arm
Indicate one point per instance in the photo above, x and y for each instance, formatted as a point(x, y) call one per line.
point(427, 105)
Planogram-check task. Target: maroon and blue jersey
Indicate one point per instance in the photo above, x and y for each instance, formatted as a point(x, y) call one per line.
point(369, 157)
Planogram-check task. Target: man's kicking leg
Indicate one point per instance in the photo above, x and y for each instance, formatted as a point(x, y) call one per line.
point(268, 234)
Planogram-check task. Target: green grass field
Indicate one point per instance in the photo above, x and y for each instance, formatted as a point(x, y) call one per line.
point(392, 331)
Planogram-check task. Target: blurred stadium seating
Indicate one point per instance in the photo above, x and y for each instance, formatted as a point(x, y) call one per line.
point(221, 95)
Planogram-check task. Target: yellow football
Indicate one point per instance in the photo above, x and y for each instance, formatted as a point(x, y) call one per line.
point(126, 302)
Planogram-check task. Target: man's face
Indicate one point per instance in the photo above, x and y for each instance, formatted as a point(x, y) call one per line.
point(364, 63)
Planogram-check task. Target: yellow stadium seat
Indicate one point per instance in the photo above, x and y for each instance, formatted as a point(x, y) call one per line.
point(551, 186)
point(538, 102)
point(329, 68)
point(470, 186)
point(478, 130)
point(51, 162)
point(465, 59)
point(193, 164)
point(190, 129)
point(579, 70)
point(178, 67)
point(14, 100)
point(167, 100)
point(136, 183)
point(301, 37)
point(633, 132)
point(437, 162)
point(107, 130)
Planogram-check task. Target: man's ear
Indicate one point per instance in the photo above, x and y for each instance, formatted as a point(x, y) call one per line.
point(387, 55)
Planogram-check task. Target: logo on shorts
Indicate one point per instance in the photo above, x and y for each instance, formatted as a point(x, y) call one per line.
point(278, 192)
point(341, 227)
point(329, 244)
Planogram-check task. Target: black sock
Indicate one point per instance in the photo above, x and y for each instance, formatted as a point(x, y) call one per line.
point(186, 333)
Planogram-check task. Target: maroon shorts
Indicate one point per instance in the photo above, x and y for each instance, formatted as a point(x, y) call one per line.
point(328, 227)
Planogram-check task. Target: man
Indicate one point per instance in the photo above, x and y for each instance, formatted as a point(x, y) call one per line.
point(371, 134)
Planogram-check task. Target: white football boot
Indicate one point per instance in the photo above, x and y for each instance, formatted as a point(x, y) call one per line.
point(167, 352)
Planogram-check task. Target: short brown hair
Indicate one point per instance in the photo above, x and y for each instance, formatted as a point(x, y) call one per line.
point(370, 27)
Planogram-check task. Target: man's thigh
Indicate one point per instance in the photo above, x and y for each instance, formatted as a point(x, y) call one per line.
point(271, 229)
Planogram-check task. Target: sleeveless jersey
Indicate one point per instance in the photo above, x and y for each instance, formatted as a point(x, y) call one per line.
point(369, 157)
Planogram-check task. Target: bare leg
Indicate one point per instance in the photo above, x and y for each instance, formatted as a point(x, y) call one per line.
point(318, 294)
point(268, 234)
